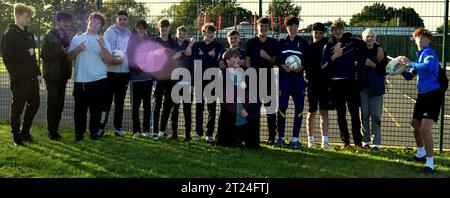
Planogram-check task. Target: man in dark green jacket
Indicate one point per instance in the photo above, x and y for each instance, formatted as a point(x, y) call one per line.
point(57, 70)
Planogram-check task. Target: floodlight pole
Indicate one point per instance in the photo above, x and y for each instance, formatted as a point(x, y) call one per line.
point(444, 65)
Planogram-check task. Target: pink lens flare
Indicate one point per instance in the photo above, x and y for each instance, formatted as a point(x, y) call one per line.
point(153, 58)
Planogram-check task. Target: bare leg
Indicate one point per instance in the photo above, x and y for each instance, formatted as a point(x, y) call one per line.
point(415, 128)
point(310, 125)
point(425, 129)
point(324, 122)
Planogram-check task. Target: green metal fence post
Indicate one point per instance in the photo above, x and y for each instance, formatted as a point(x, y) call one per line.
point(39, 15)
point(260, 8)
point(99, 5)
point(444, 65)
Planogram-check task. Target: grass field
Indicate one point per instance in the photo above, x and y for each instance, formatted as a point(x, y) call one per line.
point(127, 157)
point(2, 65)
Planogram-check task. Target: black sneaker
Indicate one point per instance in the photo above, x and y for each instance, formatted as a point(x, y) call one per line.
point(78, 138)
point(27, 138)
point(428, 170)
point(376, 148)
point(17, 142)
point(419, 159)
point(55, 136)
point(101, 133)
point(270, 142)
point(174, 137)
point(187, 139)
point(346, 146)
point(94, 136)
point(119, 133)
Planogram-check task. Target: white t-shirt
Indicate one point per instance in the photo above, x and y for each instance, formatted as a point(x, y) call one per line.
point(89, 65)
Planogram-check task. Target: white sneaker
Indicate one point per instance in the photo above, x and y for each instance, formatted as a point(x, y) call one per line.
point(146, 134)
point(197, 137)
point(162, 134)
point(136, 135)
point(327, 146)
point(209, 139)
point(311, 145)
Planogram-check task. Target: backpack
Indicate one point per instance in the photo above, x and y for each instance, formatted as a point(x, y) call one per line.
point(442, 79)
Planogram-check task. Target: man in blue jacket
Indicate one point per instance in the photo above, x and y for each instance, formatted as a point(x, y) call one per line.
point(429, 99)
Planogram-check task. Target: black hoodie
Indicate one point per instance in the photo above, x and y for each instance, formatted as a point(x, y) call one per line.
point(17, 58)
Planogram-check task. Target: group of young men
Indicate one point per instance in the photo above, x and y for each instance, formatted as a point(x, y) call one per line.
point(104, 66)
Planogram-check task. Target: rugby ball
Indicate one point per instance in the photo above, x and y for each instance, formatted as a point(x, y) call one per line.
point(394, 68)
point(293, 61)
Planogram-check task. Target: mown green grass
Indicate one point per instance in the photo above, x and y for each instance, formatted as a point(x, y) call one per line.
point(128, 157)
point(2, 65)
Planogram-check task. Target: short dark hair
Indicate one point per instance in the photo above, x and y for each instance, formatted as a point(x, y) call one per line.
point(263, 20)
point(233, 33)
point(318, 27)
point(163, 23)
point(422, 32)
point(63, 16)
point(291, 20)
point(141, 24)
point(99, 16)
point(231, 53)
point(122, 12)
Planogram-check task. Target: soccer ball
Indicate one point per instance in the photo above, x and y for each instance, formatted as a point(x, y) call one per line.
point(119, 53)
point(293, 61)
point(394, 68)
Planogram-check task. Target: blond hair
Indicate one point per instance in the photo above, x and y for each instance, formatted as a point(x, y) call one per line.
point(182, 29)
point(20, 9)
point(209, 27)
point(368, 31)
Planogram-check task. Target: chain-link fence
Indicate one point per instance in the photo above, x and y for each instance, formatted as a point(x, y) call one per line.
point(394, 33)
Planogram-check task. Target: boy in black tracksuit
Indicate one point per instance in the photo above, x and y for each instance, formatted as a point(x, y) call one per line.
point(57, 70)
point(18, 50)
point(261, 52)
point(183, 48)
point(141, 82)
point(208, 52)
point(239, 119)
point(163, 87)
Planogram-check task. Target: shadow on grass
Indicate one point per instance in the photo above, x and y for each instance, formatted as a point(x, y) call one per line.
point(128, 157)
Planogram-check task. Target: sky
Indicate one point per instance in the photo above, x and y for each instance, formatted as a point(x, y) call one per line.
point(431, 11)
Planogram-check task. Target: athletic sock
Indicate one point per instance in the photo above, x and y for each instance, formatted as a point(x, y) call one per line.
point(430, 162)
point(420, 152)
point(324, 139)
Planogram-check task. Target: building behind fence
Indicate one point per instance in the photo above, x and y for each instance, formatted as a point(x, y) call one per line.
point(399, 99)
